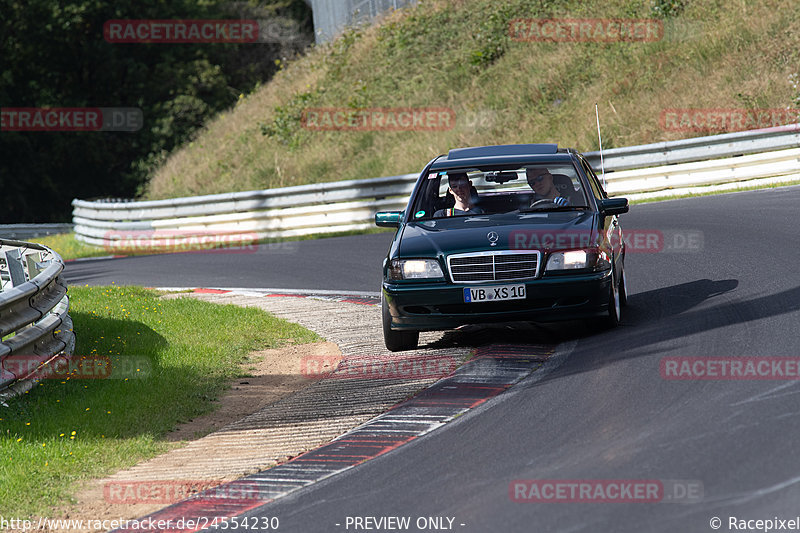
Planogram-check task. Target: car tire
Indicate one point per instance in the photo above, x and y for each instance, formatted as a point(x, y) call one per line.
point(615, 300)
point(623, 289)
point(396, 341)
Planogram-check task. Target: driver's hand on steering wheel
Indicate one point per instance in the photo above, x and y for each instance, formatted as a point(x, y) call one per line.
point(558, 200)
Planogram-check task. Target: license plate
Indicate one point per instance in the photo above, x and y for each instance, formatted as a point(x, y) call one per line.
point(493, 294)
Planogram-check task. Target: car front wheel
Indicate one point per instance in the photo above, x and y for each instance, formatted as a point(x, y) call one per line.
point(396, 341)
point(623, 289)
point(615, 299)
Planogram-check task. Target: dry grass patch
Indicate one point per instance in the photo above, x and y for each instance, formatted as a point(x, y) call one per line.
point(459, 55)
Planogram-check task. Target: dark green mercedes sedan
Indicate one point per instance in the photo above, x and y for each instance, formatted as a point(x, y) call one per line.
point(503, 233)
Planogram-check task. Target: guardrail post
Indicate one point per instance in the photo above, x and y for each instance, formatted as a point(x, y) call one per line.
point(15, 269)
point(34, 264)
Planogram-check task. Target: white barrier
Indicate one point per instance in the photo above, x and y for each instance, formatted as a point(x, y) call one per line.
point(351, 205)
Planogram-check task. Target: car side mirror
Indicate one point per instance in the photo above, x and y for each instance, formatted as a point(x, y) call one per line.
point(389, 219)
point(613, 206)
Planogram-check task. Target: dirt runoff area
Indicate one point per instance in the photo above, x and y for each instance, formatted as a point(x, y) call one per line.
point(272, 376)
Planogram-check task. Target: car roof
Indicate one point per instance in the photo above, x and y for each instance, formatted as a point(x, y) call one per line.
point(506, 154)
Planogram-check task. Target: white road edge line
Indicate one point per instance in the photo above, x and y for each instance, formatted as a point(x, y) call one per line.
point(263, 291)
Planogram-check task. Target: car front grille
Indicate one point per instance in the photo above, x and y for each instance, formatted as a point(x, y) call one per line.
point(502, 265)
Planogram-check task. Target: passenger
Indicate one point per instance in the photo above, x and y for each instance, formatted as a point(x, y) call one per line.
point(541, 181)
point(460, 186)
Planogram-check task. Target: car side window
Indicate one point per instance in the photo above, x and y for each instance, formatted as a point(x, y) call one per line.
point(597, 189)
point(427, 198)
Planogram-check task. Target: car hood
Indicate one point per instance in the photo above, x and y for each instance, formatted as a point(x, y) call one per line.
point(529, 231)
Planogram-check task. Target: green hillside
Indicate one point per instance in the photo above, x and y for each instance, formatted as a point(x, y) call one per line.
point(459, 54)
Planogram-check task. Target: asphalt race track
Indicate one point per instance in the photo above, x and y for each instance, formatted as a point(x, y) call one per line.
point(340, 263)
point(724, 283)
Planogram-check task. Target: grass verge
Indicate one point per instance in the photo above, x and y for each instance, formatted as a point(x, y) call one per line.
point(65, 431)
point(68, 247)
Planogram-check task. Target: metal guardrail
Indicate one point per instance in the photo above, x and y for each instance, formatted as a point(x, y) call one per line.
point(35, 325)
point(30, 231)
point(697, 148)
point(285, 212)
point(351, 205)
point(781, 164)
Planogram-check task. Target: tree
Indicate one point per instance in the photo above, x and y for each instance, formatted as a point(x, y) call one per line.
point(53, 54)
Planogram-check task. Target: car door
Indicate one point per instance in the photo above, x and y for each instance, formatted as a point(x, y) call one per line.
point(609, 225)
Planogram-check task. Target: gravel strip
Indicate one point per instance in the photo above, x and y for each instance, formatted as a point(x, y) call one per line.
point(320, 412)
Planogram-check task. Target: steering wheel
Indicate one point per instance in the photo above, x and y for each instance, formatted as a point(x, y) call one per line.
point(543, 201)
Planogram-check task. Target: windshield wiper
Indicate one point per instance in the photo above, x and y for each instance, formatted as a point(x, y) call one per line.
point(553, 208)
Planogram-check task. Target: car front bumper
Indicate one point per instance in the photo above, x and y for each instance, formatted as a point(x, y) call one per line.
point(440, 305)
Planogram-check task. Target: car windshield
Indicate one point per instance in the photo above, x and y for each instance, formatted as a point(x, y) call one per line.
point(499, 191)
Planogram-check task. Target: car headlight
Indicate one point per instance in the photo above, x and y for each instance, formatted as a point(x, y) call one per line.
point(573, 259)
point(579, 259)
point(414, 269)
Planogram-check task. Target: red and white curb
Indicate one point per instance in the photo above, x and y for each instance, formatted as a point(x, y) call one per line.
point(494, 369)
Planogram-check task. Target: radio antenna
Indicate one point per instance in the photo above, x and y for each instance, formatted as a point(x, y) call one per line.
point(600, 140)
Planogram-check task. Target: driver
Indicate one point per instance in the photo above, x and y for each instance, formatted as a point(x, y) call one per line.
point(541, 181)
point(461, 189)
